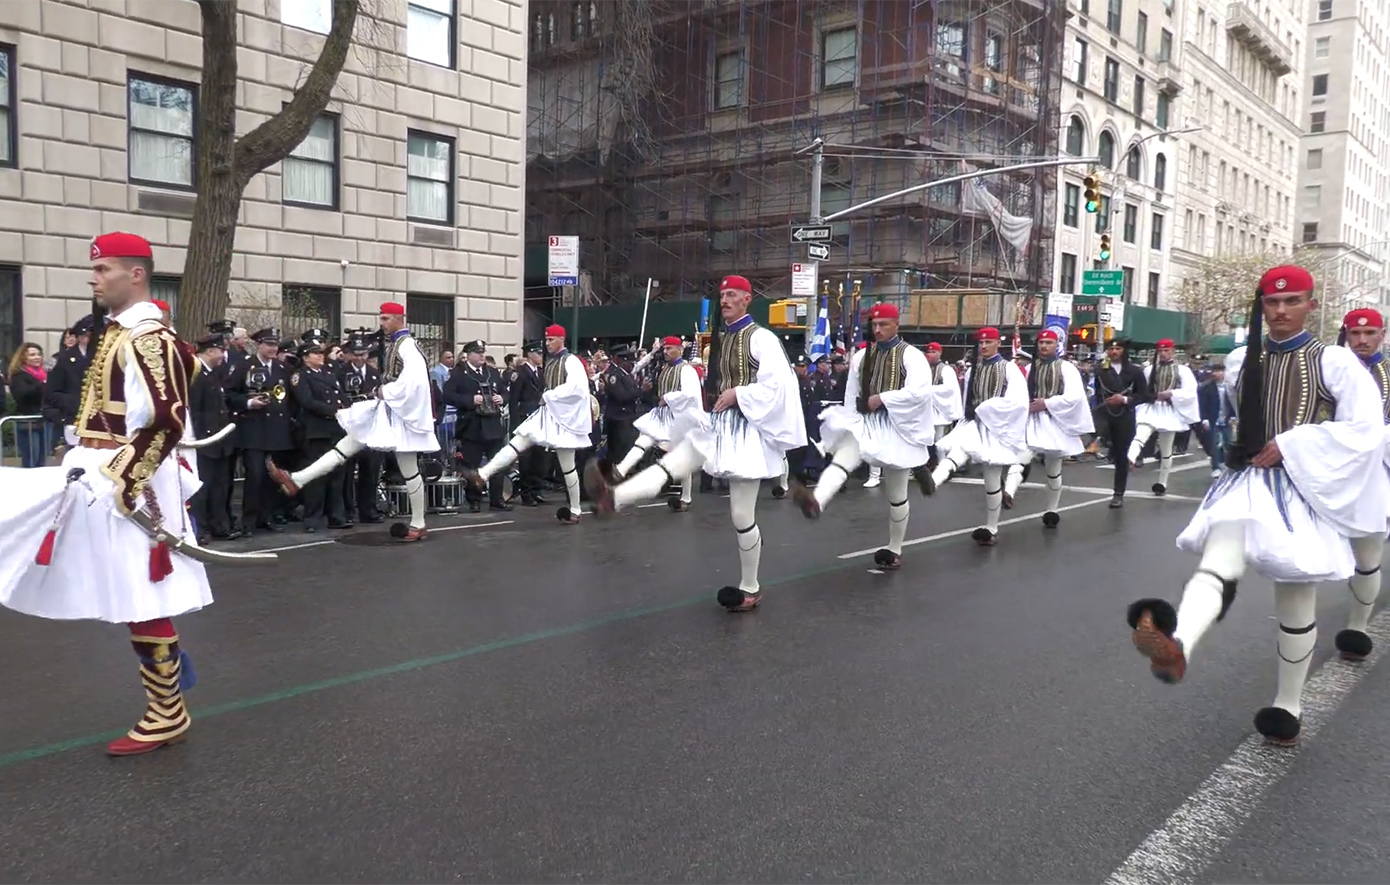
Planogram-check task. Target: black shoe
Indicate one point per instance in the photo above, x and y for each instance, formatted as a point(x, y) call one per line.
point(1117, 502)
point(499, 505)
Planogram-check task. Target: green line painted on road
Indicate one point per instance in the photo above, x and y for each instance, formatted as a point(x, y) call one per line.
point(11, 759)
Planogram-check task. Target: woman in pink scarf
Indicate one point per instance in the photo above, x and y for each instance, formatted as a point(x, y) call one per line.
point(27, 380)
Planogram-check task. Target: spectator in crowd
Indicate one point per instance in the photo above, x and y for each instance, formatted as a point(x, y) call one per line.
point(27, 380)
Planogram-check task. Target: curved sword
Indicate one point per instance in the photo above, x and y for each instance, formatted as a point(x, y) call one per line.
point(216, 437)
point(201, 554)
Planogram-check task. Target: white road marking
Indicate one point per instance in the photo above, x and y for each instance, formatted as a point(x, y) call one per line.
point(445, 528)
point(958, 532)
point(1087, 490)
point(471, 525)
point(1182, 848)
point(1194, 466)
point(290, 547)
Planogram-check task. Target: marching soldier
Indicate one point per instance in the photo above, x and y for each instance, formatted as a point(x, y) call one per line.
point(359, 380)
point(207, 405)
point(474, 389)
point(256, 392)
point(319, 396)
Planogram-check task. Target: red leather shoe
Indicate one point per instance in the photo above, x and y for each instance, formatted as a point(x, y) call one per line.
point(128, 746)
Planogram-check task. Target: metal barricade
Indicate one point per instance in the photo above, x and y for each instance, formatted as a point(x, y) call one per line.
point(9, 425)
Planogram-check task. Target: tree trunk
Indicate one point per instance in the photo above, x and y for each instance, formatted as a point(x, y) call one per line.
point(226, 164)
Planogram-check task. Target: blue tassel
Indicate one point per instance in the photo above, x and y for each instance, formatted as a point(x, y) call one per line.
point(188, 677)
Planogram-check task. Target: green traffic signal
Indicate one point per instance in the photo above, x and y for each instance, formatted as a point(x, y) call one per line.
point(1104, 254)
point(1092, 206)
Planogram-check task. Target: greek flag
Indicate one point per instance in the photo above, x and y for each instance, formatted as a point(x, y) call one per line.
point(819, 344)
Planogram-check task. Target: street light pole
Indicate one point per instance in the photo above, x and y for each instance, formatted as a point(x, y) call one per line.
point(817, 149)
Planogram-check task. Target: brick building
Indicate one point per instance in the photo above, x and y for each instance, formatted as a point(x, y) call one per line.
point(410, 185)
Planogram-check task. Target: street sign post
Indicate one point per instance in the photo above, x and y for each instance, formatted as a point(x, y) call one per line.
point(817, 252)
point(804, 280)
point(812, 233)
point(564, 261)
point(1112, 314)
point(1110, 283)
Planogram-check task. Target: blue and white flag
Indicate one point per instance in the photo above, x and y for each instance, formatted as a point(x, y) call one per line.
point(819, 343)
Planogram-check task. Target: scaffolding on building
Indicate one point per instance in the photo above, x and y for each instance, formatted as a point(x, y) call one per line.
point(664, 134)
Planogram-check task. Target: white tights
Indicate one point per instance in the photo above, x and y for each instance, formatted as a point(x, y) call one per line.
point(638, 452)
point(1165, 449)
point(520, 443)
point(1052, 465)
point(844, 462)
point(345, 448)
point(954, 460)
point(1365, 581)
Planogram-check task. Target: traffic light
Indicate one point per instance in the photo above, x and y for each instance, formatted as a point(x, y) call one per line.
point(1093, 193)
point(1105, 247)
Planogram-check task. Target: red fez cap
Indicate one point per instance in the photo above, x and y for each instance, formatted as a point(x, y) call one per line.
point(554, 331)
point(393, 309)
point(672, 341)
point(862, 345)
point(162, 305)
point(121, 245)
point(736, 282)
point(883, 312)
point(1364, 317)
point(1048, 335)
point(1165, 342)
point(933, 347)
point(1288, 278)
point(988, 333)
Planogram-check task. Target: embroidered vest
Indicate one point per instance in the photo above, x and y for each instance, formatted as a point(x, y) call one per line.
point(1295, 391)
point(988, 381)
point(1164, 377)
point(936, 371)
point(394, 364)
point(554, 373)
point(1046, 379)
point(737, 368)
point(669, 379)
point(884, 368)
point(1382, 378)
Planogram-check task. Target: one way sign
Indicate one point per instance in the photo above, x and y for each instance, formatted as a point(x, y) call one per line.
point(811, 233)
point(817, 252)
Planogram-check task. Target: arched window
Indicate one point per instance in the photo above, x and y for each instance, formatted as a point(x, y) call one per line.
point(1160, 172)
point(1133, 163)
point(1076, 137)
point(1105, 149)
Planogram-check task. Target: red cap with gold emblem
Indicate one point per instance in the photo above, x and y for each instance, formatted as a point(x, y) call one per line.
point(933, 347)
point(735, 281)
point(1048, 335)
point(1165, 342)
point(672, 341)
point(554, 331)
point(988, 333)
point(883, 312)
point(393, 309)
point(1286, 278)
point(121, 245)
point(162, 305)
point(1363, 318)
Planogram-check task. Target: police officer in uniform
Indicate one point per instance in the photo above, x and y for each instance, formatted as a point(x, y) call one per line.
point(359, 380)
point(257, 391)
point(64, 388)
point(523, 398)
point(319, 396)
point(207, 406)
point(622, 402)
point(475, 390)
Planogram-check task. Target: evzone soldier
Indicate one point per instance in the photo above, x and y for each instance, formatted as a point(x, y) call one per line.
point(947, 405)
point(320, 397)
point(1059, 415)
point(1171, 408)
point(110, 539)
point(563, 423)
point(993, 432)
point(886, 420)
point(475, 391)
point(1304, 474)
point(754, 421)
point(677, 390)
point(360, 380)
point(1363, 330)
point(399, 420)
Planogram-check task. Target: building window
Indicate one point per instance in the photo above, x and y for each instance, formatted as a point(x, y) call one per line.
point(429, 31)
point(431, 324)
point(1133, 163)
point(1310, 232)
point(836, 196)
point(994, 61)
point(309, 175)
point(1315, 158)
point(1114, 12)
point(11, 309)
point(9, 136)
point(1067, 281)
point(728, 80)
point(161, 114)
point(1322, 47)
point(1156, 232)
point(1138, 96)
point(1071, 204)
point(429, 178)
point(1317, 121)
point(583, 21)
point(311, 307)
point(1130, 229)
point(311, 15)
point(1160, 172)
point(165, 287)
point(1076, 137)
point(839, 54)
point(723, 217)
point(1127, 284)
point(1165, 45)
point(1103, 215)
point(1319, 84)
point(1141, 34)
point(1081, 49)
point(1112, 80)
point(1324, 10)
point(951, 47)
point(1161, 110)
point(1153, 289)
point(1105, 149)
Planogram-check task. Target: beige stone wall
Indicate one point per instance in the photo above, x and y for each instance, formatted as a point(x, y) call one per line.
point(72, 62)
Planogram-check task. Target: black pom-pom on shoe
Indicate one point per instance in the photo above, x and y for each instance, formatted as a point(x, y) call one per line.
point(735, 600)
point(1353, 645)
point(984, 537)
point(1165, 617)
point(1051, 518)
point(887, 560)
point(1278, 726)
point(1160, 489)
point(399, 529)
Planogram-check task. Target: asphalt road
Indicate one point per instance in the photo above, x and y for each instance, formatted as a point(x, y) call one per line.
point(520, 701)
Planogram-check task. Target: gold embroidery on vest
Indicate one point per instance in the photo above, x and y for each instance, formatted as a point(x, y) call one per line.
point(884, 368)
point(555, 372)
point(1047, 379)
point(736, 367)
point(1295, 391)
point(669, 380)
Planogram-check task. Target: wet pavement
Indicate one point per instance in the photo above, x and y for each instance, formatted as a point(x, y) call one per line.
point(520, 701)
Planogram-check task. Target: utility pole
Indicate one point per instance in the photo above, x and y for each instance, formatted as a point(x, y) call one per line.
point(817, 149)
